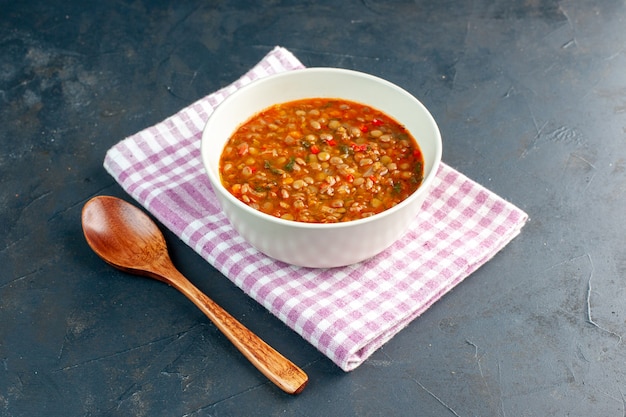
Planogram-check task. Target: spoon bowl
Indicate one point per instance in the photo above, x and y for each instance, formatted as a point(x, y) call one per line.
point(126, 238)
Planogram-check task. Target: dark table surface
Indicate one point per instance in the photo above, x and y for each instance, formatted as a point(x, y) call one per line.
point(530, 97)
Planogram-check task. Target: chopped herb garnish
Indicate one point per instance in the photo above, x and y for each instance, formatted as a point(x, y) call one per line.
point(289, 165)
point(268, 165)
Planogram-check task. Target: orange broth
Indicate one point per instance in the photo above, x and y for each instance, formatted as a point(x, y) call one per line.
point(321, 161)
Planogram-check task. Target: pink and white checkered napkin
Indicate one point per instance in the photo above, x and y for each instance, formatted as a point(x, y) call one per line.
point(347, 313)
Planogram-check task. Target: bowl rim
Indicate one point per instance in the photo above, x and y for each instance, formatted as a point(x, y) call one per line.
point(218, 187)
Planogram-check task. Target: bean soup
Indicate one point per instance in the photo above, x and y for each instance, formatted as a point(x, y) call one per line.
point(321, 160)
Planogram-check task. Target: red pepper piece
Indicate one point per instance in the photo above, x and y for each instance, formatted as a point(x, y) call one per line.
point(358, 148)
point(314, 149)
point(377, 122)
point(242, 149)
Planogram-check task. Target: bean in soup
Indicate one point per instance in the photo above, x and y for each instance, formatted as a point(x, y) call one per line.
point(321, 161)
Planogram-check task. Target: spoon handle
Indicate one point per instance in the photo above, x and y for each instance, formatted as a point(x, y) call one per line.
point(278, 369)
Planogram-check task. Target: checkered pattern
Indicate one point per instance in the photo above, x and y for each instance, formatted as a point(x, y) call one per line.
point(347, 313)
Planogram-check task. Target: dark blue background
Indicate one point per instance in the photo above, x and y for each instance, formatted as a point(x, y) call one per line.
point(530, 97)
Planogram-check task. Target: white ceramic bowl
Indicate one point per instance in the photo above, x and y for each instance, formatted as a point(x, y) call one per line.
point(329, 244)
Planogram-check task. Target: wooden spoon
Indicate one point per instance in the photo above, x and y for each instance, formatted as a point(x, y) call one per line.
point(126, 238)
